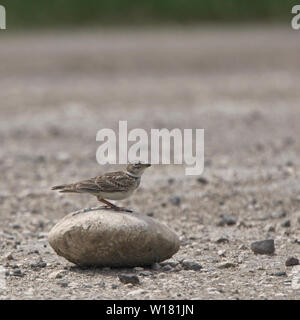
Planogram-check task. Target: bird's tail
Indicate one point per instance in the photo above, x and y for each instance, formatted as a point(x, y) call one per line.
point(64, 188)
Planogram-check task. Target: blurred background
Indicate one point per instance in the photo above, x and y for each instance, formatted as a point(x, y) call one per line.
point(36, 14)
point(69, 68)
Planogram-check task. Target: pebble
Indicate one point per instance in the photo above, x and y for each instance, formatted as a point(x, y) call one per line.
point(38, 265)
point(291, 261)
point(167, 267)
point(222, 253)
point(129, 278)
point(222, 240)
point(18, 273)
point(226, 265)
point(191, 265)
point(279, 215)
point(101, 284)
point(269, 228)
point(296, 241)
point(16, 226)
point(9, 256)
point(280, 274)
point(226, 220)
point(145, 273)
point(263, 247)
point(286, 224)
point(63, 284)
point(150, 214)
point(171, 180)
point(178, 268)
point(175, 200)
point(202, 180)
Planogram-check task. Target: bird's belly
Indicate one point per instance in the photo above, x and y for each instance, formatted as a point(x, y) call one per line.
point(116, 195)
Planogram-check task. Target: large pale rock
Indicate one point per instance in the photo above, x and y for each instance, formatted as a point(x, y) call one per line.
point(109, 238)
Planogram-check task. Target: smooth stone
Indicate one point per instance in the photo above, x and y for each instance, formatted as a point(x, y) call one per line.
point(108, 238)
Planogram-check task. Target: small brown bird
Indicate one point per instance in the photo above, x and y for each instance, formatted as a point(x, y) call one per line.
point(117, 185)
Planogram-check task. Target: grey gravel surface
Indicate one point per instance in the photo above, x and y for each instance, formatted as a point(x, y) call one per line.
point(241, 84)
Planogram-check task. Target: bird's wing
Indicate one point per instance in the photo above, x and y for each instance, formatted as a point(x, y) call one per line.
point(115, 182)
point(87, 186)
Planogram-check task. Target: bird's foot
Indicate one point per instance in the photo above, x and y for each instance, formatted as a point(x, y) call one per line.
point(116, 208)
point(88, 210)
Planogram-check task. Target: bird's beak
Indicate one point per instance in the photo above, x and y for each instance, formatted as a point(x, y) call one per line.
point(147, 165)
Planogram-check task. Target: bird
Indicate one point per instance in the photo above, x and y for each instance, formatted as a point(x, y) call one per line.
point(116, 185)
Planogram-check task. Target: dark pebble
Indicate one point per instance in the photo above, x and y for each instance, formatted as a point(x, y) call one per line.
point(296, 241)
point(16, 226)
point(171, 180)
point(286, 224)
point(222, 240)
point(63, 284)
point(150, 214)
point(38, 265)
point(101, 284)
point(263, 247)
point(129, 278)
point(226, 265)
point(280, 274)
point(226, 220)
point(167, 267)
point(291, 261)
point(279, 215)
point(18, 273)
point(175, 201)
point(202, 180)
point(191, 265)
point(145, 273)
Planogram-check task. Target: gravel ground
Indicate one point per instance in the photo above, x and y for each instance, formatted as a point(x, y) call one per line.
point(241, 85)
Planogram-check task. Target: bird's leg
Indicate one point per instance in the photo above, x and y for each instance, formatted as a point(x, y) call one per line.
point(109, 204)
point(113, 206)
